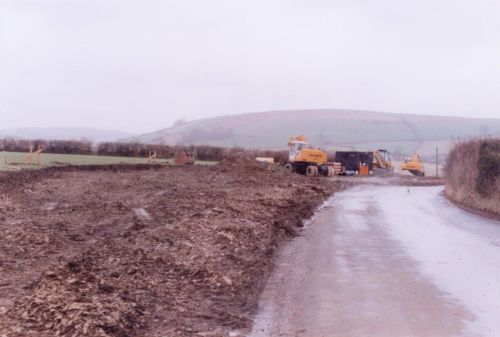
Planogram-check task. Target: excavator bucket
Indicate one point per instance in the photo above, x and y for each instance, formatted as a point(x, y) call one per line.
point(382, 159)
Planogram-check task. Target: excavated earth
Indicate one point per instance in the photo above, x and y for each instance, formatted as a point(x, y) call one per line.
point(144, 251)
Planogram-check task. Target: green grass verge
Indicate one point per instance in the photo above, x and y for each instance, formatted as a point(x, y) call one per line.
point(17, 160)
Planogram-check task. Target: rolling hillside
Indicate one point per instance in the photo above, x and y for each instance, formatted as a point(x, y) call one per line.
point(331, 128)
point(64, 133)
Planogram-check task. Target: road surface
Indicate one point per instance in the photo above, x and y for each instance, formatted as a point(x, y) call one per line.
point(386, 261)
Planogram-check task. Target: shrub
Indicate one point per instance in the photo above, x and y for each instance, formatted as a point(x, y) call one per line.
point(488, 167)
point(473, 174)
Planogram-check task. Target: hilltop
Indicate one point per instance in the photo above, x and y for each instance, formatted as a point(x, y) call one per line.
point(328, 128)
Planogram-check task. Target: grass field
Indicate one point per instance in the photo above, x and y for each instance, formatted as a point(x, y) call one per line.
point(17, 160)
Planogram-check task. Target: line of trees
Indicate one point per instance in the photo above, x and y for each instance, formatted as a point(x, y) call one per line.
point(49, 146)
point(85, 147)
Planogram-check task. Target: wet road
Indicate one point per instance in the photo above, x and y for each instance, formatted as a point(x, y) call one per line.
point(387, 261)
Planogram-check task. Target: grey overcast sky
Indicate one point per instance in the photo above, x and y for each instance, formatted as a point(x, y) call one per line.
point(140, 65)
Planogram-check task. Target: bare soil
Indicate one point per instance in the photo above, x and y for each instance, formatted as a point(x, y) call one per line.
point(144, 251)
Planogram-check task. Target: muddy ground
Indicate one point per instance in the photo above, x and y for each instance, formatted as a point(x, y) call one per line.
point(131, 251)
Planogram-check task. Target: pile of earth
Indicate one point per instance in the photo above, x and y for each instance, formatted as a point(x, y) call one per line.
point(140, 251)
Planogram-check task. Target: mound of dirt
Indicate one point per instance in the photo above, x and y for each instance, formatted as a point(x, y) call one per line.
point(171, 251)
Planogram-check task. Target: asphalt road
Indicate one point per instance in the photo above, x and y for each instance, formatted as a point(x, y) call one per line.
point(386, 261)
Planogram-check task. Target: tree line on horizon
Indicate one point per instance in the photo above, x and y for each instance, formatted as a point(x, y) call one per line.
point(132, 149)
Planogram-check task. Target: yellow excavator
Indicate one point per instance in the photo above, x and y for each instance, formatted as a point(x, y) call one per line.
point(305, 160)
point(414, 165)
point(382, 160)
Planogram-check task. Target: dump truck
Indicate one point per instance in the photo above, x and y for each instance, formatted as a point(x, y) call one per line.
point(414, 165)
point(306, 160)
point(355, 162)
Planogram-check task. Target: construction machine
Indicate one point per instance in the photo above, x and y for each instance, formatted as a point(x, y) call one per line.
point(355, 162)
point(305, 160)
point(382, 159)
point(414, 165)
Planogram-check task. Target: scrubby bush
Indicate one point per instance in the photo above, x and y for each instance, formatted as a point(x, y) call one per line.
point(488, 167)
point(48, 146)
point(473, 174)
point(133, 149)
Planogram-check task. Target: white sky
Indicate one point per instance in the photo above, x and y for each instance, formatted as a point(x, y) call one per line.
point(139, 65)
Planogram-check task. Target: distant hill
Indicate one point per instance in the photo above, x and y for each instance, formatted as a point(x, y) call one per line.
point(64, 133)
point(332, 128)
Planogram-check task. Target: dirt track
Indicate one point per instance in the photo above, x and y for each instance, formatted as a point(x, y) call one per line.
point(177, 251)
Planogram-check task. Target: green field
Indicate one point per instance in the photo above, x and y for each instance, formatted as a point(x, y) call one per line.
point(18, 160)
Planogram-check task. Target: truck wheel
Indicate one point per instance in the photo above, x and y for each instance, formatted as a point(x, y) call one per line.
point(327, 171)
point(311, 171)
point(289, 167)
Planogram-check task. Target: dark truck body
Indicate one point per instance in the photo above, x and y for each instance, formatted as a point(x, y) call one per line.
point(352, 160)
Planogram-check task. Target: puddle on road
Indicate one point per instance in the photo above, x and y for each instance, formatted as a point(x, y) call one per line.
point(328, 203)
